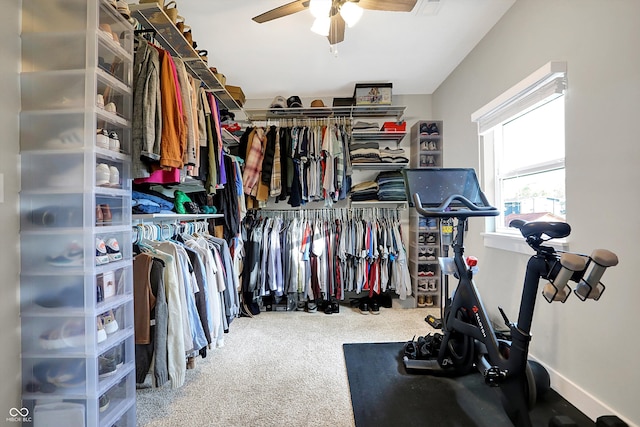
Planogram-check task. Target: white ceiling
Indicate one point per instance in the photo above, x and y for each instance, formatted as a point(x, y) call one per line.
point(415, 50)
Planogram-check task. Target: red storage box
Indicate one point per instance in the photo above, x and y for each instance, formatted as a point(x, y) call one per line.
point(394, 126)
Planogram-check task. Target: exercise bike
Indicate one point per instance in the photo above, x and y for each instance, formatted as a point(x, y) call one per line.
point(468, 338)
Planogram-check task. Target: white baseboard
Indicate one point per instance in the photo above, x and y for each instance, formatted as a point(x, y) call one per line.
point(578, 397)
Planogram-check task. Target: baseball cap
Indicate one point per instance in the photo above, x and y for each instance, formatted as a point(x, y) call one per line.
point(278, 102)
point(294, 101)
point(317, 103)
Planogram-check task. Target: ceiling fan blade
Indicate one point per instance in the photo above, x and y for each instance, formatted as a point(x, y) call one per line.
point(388, 5)
point(284, 10)
point(336, 30)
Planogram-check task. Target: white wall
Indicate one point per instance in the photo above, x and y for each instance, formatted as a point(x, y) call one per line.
point(590, 347)
point(9, 225)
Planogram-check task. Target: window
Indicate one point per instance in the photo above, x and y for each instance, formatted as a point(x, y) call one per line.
point(522, 149)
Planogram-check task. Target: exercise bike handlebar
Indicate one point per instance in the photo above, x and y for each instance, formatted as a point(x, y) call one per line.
point(469, 208)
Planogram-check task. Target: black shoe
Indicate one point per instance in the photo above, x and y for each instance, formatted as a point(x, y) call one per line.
point(335, 306)
point(364, 306)
point(374, 308)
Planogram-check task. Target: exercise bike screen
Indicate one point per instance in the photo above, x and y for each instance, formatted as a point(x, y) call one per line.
point(437, 184)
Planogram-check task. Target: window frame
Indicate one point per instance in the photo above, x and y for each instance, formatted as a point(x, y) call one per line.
point(542, 86)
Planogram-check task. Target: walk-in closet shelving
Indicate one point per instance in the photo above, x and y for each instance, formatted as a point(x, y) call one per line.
point(273, 116)
point(76, 301)
point(151, 16)
point(323, 112)
point(425, 239)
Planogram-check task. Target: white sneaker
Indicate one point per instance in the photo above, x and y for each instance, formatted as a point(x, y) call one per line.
point(103, 174)
point(102, 138)
point(71, 257)
point(110, 107)
point(114, 176)
point(101, 252)
point(109, 322)
point(114, 141)
point(100, 101)
point(113, 250)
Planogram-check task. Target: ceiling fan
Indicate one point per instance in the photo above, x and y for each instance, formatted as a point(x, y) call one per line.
point(331, 21)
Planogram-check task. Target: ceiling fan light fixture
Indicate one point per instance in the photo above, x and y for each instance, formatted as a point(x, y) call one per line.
point(320, 8)
point(351, 13)
point(321, 25)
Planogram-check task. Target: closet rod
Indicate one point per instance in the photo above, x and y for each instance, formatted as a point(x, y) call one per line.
point(302, 121)
point(333, 212)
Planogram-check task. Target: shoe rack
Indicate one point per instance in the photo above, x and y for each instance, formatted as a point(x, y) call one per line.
point(76, 281)
point(425, 239)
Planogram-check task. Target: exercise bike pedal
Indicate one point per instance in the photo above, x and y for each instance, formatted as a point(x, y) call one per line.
point(430, 365)
point(433, 321)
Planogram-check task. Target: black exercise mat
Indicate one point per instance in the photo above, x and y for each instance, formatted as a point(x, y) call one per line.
point(384, 394)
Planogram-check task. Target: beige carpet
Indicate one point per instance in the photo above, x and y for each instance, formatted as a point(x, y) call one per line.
point(277, 369)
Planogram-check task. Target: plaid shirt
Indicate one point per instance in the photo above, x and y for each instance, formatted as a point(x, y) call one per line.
point(275, 186)
point(253, 162)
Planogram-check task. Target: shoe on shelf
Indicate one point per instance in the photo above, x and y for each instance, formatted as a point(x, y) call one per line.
point(433, 129)
point(109, 322)
point(71, 257)
point(421, 301)
point(114, 177)
point(101, 252)
point(106, 365)
point(69, 335)
point(114, 142)
point(67, 138)
point(107, 216)
point(99, 216)
point(100, 97)
point(113, 250)
point(102, 138)
point(103, 402)
point(102, 174)
point(110, 107)
point(422, 285)
point(428, 301)
point(66, 373)
point(123, 8)
point(101, 333)
point(424, 129)
point(432, 285)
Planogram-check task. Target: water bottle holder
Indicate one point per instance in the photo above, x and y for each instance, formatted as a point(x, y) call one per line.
point(448, 265)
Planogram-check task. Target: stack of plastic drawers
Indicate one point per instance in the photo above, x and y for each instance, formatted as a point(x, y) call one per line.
point(78, 366)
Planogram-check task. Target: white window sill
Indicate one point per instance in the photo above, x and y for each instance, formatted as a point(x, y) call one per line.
point(516, 243)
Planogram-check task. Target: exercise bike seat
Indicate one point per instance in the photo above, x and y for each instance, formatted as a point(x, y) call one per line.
point(536, 229)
